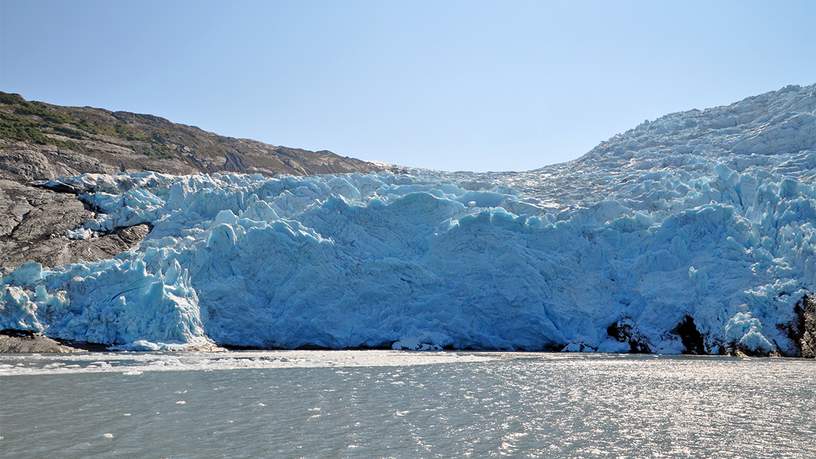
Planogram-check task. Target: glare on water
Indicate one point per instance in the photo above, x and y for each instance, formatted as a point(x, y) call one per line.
point(442, 405)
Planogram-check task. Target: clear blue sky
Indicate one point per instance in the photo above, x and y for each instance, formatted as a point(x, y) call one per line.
point(443, 84)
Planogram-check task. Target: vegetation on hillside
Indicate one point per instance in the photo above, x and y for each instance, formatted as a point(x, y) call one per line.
point(45, 124)
point(122, 138)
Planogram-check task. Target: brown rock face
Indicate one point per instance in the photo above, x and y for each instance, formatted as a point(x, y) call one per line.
point(805, 320)
point(41, 141)
point(22, 342)
point(34, 223)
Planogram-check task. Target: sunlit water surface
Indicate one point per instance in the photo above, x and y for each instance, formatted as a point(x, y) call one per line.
point(449, 405)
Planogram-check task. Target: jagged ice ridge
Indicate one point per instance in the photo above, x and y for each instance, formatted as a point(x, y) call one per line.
point(702, 216)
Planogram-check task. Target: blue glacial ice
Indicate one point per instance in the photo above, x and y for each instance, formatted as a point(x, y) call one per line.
point(708, 215)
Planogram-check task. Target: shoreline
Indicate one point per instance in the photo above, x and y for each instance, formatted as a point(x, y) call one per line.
point(25, 342)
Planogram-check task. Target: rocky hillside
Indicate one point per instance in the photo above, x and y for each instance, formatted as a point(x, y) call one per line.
point(42, 141)
point(39, 140)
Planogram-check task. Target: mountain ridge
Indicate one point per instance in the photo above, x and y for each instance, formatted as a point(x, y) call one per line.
point(73, 140)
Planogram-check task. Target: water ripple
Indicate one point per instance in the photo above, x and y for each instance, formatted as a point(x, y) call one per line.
point(528, 405)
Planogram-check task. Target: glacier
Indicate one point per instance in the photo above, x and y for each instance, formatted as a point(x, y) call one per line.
point(701, 219)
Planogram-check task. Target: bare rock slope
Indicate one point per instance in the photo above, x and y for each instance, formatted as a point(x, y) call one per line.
point(42, 141)
point(24, 342)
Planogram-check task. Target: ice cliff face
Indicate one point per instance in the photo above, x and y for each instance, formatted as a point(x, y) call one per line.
point(695, 232)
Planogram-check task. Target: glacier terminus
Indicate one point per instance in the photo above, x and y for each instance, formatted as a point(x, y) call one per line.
point(695, 232)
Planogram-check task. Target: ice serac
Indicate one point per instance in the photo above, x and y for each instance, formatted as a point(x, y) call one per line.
point(693, 233)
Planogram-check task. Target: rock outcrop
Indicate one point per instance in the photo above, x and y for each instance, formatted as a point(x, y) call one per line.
point(626, 331)
point(802, 331)
point(693, 341)
point(23, 342)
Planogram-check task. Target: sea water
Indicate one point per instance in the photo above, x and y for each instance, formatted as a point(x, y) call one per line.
point(375, 404)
